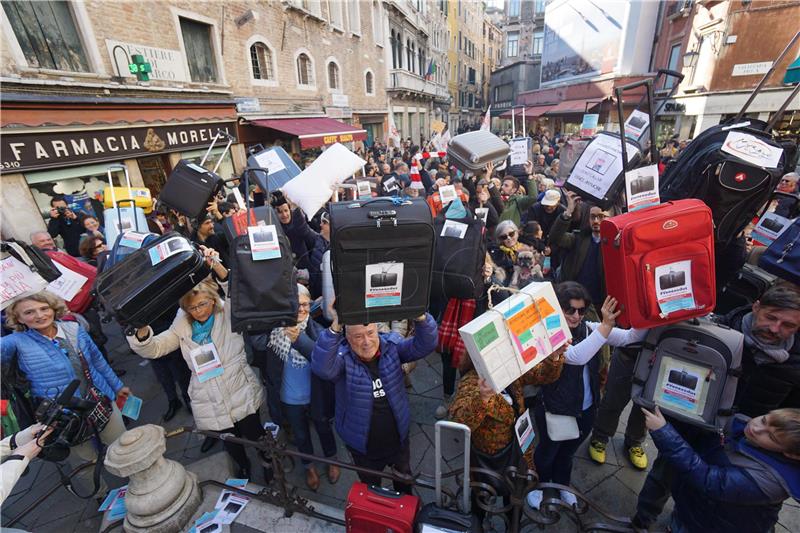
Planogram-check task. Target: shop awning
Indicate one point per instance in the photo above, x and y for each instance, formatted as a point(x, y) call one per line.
point(530, 112)
point(793, 72)
point(572, 106)
point(314, 132)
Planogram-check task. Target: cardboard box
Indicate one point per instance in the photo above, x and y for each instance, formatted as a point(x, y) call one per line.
point(518, 334)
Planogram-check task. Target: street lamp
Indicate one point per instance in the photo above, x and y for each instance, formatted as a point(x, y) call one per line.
point(690, 58)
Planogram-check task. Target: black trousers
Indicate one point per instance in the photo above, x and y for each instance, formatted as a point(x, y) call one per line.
point(171, 370)
point(249, 428)
point(401, 461)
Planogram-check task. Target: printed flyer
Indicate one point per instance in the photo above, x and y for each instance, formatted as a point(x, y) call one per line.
point(384, 285)
point(674, 287)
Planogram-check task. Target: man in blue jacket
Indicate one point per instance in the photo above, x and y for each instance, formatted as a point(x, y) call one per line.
point(372, 413)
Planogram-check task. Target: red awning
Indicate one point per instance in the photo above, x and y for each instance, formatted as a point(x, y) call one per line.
point(572, 106)
point(314, 132)
point(530, 112)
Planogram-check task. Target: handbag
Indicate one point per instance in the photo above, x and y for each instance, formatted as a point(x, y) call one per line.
point(561, 427)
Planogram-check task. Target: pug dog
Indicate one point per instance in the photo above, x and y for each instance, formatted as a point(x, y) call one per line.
point(527, 269)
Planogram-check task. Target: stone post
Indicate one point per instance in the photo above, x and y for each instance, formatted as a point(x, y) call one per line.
point(162, 496)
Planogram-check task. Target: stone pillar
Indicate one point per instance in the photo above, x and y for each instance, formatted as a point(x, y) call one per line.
point(162, 496)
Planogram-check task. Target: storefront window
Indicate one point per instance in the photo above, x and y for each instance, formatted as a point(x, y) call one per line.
point(225, 169)
point(154, 173)
point(82, 188)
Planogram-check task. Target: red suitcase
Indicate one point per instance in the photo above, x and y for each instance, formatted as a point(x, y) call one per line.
point(372, 509)
point(659, 263)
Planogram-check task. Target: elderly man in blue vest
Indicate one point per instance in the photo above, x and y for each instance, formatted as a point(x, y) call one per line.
point(372, 414)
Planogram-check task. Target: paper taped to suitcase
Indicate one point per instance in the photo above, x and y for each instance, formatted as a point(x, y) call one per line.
point(384, 285)
point(516, 335)
point(674, 286)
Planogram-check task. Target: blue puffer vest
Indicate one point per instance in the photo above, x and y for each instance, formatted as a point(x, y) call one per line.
point(333, 360)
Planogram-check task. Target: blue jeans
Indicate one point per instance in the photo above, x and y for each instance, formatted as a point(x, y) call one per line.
point(320, 412)
point(554, 459)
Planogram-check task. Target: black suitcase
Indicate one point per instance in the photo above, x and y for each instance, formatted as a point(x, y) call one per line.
point(136, 291)
point(472, 151)
point(381, 258)
point(458, 261)
point(190, 187)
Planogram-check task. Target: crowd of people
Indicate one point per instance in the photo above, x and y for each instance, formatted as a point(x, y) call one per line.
point(352, 381)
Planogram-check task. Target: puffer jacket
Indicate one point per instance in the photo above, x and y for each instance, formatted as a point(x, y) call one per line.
point(333, 360)
point(225, 399)
point(735, 487)
point(49, 369)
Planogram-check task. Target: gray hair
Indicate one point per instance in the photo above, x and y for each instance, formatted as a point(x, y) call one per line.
point(504, 226)
point(33, 234)
point(782, 296)
point(303, 291)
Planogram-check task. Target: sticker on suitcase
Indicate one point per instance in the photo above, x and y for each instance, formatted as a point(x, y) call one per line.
point(169, 248)
point(682, 386)
point(769, 228)
point(674, 287)
point(641, 187)
point(384, 285)
point(132, 239)
point(454, 229)
point(264, 242)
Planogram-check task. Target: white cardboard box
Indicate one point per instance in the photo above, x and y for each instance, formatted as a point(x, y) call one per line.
point(518, 334)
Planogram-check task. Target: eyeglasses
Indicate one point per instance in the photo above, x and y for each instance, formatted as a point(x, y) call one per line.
point(598, 216)
point(201, 305)
point(306, 305)
point(507, 236)
point(572, 310)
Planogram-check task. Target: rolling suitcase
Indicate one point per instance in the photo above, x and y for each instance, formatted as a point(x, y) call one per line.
point(140, 195)
point(121, 219)
point(190, 187)
point(381, 259)
point(458, 258)
point(432, 517)
point(659, 263)
point(82, 298)
point(150, 281)
point(745, 288)
point(470, 152)
point(782, 257)
point(127, 243)
point(690, 370)
point(372, 509)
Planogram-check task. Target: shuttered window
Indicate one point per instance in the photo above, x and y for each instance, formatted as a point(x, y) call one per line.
point(199, 50)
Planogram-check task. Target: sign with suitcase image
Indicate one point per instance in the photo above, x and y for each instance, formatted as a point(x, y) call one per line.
point(673, 284)
point(641, 187)
point(264, 242)
point(169, 248)
point(769, 228)
point(682, 386)
point(384, 285)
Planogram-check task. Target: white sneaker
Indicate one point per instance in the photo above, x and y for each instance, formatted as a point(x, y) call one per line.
point(441, 412)
point(568, 498)
point(535, 498)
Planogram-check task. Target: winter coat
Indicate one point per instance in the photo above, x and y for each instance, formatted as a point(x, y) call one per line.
point(574, 247)
point(222, 400)
point(735, 487)
point(49, 370)
point(301, 237)
point(333, 360)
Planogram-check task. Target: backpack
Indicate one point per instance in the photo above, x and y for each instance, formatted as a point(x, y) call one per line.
point(458, 256)
point(690, 370)
point(782, 257)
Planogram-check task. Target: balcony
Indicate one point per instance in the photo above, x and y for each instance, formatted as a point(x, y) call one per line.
point(403, 80)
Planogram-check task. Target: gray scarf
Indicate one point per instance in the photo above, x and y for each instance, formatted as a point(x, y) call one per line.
point(765, 354)
point(281, 344)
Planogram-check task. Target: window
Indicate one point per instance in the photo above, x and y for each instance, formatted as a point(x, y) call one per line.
point(333, 76)
point(512, 44)
point(369, 83)
point(538, 6)
point(47, 35)
point(674, 57)
point(377, 22)
point(538, 40)
point(471, 76)
point(305, 71)
point(354, 16)
point(261, 60)
point(513, 8)
point(199, 50)
point(335, 13)
point(312, 6)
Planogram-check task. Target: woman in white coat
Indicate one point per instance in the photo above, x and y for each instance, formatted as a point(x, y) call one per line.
point(225, 393)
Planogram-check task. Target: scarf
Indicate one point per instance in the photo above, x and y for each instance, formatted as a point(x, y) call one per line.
point(456, 314)
point(201, 331)
point(765, 354)
point(281, 344)
point(511, 252)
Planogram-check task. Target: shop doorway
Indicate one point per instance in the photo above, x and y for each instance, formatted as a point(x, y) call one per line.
point(154, 173)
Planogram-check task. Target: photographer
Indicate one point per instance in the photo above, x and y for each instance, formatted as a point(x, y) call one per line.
point(16, 451)
point(64, 222)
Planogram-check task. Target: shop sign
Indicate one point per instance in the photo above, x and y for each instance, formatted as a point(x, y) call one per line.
point(751, 69)
point(33, 151)
point(340, 100)
point(247, 105)
point(339, 112)
point(167, 64)
point(339, 138)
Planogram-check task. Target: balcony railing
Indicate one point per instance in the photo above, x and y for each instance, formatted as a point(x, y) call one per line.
point(403, 80)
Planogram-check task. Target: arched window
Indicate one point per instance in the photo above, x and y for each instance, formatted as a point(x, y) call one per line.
point(333, 76)
point(409, 56)
point(369, 83)
point(261, 60)
point(393, 42)
point(305, 74)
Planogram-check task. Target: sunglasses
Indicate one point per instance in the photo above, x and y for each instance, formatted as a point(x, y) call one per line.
point(571, 310)
point(507, 236)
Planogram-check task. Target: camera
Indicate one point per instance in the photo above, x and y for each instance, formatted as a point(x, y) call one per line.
point(61, 209)
point(65, 415)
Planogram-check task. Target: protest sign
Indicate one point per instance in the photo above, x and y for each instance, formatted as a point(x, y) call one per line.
point(769, 227)
point(600, 165)
point(641, 187)
point(17, 281)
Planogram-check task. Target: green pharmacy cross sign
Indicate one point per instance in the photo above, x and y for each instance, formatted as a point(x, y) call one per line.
point(140, 68)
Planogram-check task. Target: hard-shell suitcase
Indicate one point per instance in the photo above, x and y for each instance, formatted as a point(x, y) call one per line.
point(120, 219)
point(190, 187)
point(782, 257)
point(472, 151)
point(690, 370)
point(140, 195)
point(746, 287)
point(280, 165)
point(127, 243)
point(381, 259)
point(151, 280)
point(373, 509)
point(433, 514)
point(659, 263)
point(459, 255)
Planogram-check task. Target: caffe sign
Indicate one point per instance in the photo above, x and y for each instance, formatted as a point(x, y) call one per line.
point(35, 151)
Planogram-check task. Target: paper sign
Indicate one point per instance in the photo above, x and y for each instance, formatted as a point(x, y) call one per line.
point(524, 430)
point(239, 199)
point(264, 242)
point(169, 248)
point(132, 407)
point(229, 505)
point(68, 285)
point(437, 126)
point(752, 149)
point(599, 165)
point(132, 239)
point(589, 124)
point(206, 362)
point(115, 504)
point(769, 228)
point(17, 280)
point(364, 189)
point(447, 194)
point(207, 523)
point(482, 213)
point(235, 482)
point(454, 229)
point(272, 428)
point(674, 287)
point(682, 386)
point(637, 124)
point(641, 187)
point(384, 284)
point(519, 151)
point(270, 160)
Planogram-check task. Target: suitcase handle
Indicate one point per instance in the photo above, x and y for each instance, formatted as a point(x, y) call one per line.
point(385, 493)
point(246, 176)
point(438, 450)
point(217, 135)
point(124, 169)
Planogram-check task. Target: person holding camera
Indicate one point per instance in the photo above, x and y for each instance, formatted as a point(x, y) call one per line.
point(16, 452)
point(66, 223)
